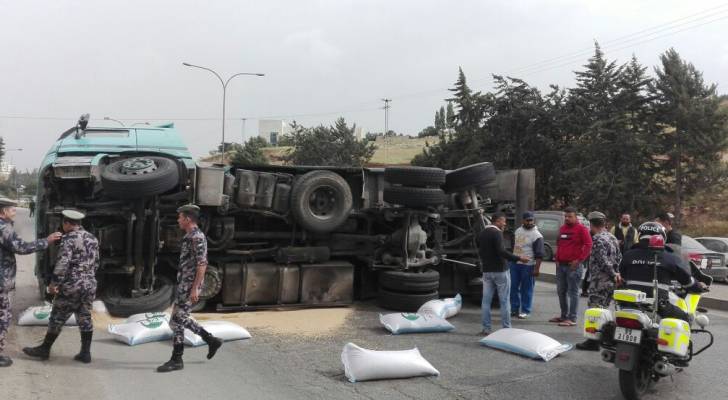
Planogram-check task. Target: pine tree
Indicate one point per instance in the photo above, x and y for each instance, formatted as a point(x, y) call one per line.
point(692, 129)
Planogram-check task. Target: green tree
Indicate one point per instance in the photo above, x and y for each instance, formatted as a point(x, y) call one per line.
point(692, 129)
point(2, 149)
point(328, 146)
point(250, 153)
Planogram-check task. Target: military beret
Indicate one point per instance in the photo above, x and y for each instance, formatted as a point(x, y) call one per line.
point(5, 202)
point(596, 215)
point(189, 209)
point(73, 215)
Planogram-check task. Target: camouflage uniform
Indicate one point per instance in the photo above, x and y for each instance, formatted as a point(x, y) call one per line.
point(192, 255)
point(10, 245)
point(75, 277)
point(603, 262)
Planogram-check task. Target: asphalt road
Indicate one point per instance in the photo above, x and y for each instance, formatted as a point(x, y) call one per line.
point(283, 366)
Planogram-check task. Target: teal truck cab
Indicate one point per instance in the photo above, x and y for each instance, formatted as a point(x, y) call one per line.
point(278, 236)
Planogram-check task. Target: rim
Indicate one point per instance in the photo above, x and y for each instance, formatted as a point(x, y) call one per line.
point(138, 166)
point(323, 202)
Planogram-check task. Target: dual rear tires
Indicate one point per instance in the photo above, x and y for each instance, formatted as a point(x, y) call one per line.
point(407, 291)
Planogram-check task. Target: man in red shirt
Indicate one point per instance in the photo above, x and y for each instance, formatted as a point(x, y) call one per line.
point(572, 249)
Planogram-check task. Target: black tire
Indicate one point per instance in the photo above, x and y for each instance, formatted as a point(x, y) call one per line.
point(410, 282)
point(118, 184)
point(321, 201)
point(415, 176)
point(548, 253)
point(121, 306)
point(212, 283)
point(404, 301)
point(199, 306)
point(414, 197)
point(476, 175)
point(635, 383)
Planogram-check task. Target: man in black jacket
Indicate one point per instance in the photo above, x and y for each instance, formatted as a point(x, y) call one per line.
point(493, 258)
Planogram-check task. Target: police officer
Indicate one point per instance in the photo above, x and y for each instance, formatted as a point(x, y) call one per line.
point(11, 244)
point(74, 286)
point(603, 264)
point(637, 270)
point(192, 266)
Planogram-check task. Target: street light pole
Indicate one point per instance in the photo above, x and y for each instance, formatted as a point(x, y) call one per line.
point(224, 93)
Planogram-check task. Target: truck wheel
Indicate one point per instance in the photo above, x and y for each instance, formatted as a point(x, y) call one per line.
point(415, 176)
point(404, 301)
point(137, 177)
point(414, 196)
point(321, 201)
point(470, 176)
point(548, 253)
point(120, 305)
point(410, 282)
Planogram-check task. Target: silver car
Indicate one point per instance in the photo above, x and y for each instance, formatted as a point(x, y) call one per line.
point(709, 254)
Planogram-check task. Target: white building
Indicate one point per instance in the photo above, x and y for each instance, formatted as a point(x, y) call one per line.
point(5, 169)
point(272, 129)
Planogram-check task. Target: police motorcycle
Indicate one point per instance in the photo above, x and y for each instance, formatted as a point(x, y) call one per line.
point(644, 347)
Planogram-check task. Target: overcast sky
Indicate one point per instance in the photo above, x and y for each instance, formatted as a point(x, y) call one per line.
point(322, 59)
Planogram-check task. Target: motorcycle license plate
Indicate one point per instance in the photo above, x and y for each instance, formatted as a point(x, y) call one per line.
point(628, 335)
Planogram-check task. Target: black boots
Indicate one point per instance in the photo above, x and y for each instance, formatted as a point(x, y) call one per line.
point(213, 343)
point(84, 355)
point(5, 361)
point(44, 350)
point(588, 345)
point(175, 363)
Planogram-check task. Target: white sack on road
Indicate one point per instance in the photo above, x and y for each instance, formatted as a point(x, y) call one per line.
point(143, 331)
point(224, 330)
point(444, 308)
point(39, 315)
point(365, 365)
point(526, 343)
point(399, 323)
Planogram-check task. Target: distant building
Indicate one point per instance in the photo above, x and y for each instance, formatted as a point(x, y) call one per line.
point(272, 129)
point(5, 169)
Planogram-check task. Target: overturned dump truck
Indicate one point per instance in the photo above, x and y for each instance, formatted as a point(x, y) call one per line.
point(278, 236)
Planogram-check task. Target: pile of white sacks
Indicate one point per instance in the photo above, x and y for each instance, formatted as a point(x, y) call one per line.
point(363, 364)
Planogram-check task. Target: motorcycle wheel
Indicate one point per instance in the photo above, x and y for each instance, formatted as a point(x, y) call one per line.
point(635, 383)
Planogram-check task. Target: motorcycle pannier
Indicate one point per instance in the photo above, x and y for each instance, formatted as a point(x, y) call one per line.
point(594, 320)
point(673, 337)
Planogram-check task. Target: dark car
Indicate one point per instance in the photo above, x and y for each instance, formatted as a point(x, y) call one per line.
point(548, 223)
point(709, 253)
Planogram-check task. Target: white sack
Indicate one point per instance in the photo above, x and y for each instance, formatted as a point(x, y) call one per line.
point(365, 365)
point(526, 343)
point(148, 315)
point(39, 315)
point(143, 331)
point(99, 307)
point(224, 330)
point(444, 308)
point(399, 323)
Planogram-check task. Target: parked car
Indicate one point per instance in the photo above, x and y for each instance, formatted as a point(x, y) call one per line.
point(548, 223)
point(717, 244)
point(711, 262)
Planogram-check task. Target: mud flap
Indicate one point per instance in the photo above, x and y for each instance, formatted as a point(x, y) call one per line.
point(626, 356)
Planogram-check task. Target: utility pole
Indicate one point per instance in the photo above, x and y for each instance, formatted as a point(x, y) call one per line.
point(386, 128)
point(243, 143)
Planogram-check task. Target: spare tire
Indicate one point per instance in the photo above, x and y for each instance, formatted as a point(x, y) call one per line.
point(321, 201)
point(410, 282)
point(415, 176)
point(120, 305)
point(414, 197)
point(410, 302)
point(136, 177)
point(470, 176)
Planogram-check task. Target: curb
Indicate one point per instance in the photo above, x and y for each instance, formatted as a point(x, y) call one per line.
point(707, 302)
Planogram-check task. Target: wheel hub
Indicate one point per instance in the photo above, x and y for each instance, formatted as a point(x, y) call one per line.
point(323, 202)
point(138, 166)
